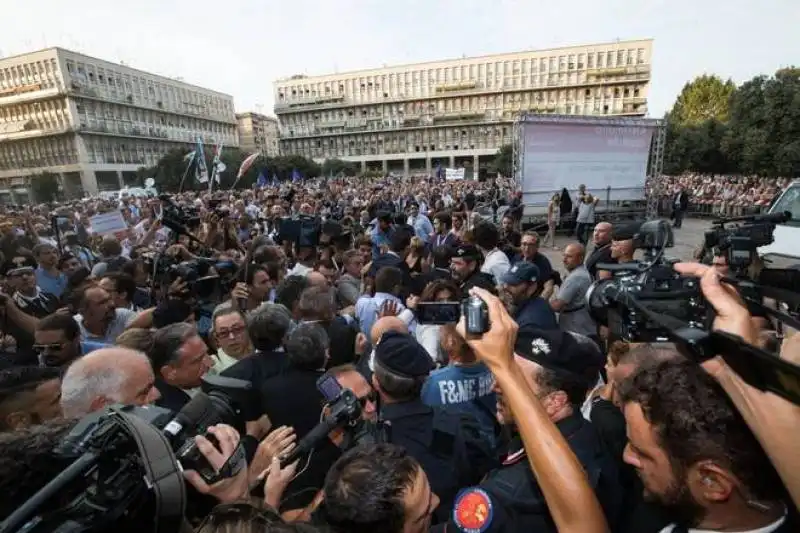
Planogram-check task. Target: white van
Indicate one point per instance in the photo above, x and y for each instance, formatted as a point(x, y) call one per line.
point(784, 252)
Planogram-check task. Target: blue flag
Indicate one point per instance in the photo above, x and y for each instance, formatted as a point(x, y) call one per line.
point(296, 176)
point(275, 182)
point(262, 179)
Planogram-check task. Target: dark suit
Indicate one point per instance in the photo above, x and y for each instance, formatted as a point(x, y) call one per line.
point(342, 338)
point(680, 203)
point(172, 398)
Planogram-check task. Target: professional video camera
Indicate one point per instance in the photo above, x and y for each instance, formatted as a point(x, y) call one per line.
point(741, 242)
point(179, 219)
point(648, 301)
point(128, 462)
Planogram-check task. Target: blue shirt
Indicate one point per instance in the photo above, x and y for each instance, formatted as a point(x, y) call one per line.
point(368, 307)
point(379, 238)
point(422, 227)
point(469, 389)
point(536, 313)
point(54, 285)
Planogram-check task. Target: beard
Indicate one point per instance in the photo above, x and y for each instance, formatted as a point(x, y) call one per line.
point(678, 503)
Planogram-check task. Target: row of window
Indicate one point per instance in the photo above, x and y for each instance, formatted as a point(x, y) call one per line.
point(478, 104)
point(38, 152)
point(91, 113)
point(106, 150)
point(142, 86)
point(462, 73)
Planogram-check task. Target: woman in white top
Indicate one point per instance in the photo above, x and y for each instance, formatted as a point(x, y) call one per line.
point(440, 290)
point(553, 219)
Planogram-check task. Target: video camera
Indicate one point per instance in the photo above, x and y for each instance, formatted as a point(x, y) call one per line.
point(180, 219)
point(648, 301)
point(740, 243)
point(128, 461)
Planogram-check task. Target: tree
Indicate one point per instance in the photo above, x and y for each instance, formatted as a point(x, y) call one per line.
point(44, 187)
point(704, 98)
point(503, 162)
point(334, 167)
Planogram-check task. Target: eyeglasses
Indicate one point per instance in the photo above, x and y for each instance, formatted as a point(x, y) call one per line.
point(372, 397)
point(232, 332)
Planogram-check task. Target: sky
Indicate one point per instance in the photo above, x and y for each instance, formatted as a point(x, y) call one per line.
point(241, 47)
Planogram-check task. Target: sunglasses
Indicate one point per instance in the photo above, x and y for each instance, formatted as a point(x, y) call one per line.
point(372, 397)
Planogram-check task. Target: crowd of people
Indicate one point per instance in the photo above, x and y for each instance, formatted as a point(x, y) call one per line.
point(546, 422)
point(720, 195)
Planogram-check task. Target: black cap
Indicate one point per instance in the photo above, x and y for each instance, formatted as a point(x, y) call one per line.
point(625, 232)
point(467, 251)
point(384, 216)
point(401, 354)
point(521, 272)
point(564, 353)
point(18, 263)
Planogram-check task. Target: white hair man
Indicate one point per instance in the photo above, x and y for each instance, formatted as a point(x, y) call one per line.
point(107, 376)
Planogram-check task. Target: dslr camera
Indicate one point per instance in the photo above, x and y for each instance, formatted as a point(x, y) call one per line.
point(741, 242)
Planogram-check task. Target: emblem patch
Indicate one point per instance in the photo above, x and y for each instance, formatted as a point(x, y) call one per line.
point(473, 512)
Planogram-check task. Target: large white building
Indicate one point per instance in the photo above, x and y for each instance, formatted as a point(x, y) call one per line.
point(258, 133)
point(90, 121)
point(456, 112)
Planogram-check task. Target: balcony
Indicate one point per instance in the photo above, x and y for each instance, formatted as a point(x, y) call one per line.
point(27, 93)
point(310, 104)
point(457, 87)
point(451, 116)
point(77, 89)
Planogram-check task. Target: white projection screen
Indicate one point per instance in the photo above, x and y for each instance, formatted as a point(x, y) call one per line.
point(601, 154)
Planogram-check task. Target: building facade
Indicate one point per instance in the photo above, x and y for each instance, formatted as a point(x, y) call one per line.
point(258, 133)
point(457, 112)
point(90, 121)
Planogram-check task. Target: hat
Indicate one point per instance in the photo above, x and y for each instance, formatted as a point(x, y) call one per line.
point(567, 354)
point(467, 251)
point(625, 232)
point(521, 272)
point(401, 354)
point(18, 263)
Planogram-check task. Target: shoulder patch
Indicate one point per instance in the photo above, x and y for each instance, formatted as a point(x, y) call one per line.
point(473, 512)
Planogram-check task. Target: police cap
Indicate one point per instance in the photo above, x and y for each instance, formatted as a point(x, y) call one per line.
point(401, 354)
point(568, 354)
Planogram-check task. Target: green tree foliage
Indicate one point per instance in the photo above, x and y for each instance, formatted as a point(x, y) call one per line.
point(334, 167)
point(44, 187)
point(756, 132)
point(704, 98)
point(503, 162)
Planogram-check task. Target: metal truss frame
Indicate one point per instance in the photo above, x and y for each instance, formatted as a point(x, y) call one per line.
point(655, 163)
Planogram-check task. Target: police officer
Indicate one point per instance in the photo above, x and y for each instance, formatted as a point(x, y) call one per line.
point(465, 265)
point(560, 370)
point(447, 443)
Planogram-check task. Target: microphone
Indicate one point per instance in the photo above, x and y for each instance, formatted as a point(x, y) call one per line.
point(312, 439)
point(198, 412)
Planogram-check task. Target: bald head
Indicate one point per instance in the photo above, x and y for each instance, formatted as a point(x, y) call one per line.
point(602, 234)
point(107, 376)
point(317, 279)
point(388, 323)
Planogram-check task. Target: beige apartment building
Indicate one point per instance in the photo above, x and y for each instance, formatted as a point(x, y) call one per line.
point(457, 112)
point(258, 133)
point(91, 121)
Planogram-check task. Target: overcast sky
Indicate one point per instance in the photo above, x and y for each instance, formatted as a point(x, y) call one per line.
point(241, 46)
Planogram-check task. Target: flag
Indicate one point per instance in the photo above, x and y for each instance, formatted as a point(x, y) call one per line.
point(439, 170)
point(201, 171)
point(296, 176)
point(189, 156)
point(275, 181)
point(262, 179)
point(219, 166)
point(247, 163)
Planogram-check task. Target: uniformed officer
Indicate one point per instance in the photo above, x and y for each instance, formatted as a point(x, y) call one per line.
point(465, 265)
point(447, 443)
point(560, 370)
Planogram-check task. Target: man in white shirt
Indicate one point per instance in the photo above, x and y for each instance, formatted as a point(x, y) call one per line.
point(487, 238)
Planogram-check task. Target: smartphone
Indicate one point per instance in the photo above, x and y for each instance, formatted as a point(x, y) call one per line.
point(329, 387)
point(438, 312)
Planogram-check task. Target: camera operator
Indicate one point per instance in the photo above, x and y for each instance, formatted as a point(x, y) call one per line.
point(448, 444)
point(28, 396)
point(712, 475)
point(180, 359)
point(772, 419)
point(107, 376)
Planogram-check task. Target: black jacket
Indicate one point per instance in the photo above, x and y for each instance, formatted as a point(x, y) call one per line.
point(600, 254)
point(172, 398)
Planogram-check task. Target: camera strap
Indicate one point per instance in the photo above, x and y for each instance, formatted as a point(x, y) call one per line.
point(162, 471)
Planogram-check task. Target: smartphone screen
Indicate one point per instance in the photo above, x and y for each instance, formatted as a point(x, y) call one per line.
point(438, 312)
point(329, 388)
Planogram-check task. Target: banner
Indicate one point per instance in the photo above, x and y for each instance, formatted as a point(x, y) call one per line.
point(451, 174)
point(108, 224)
